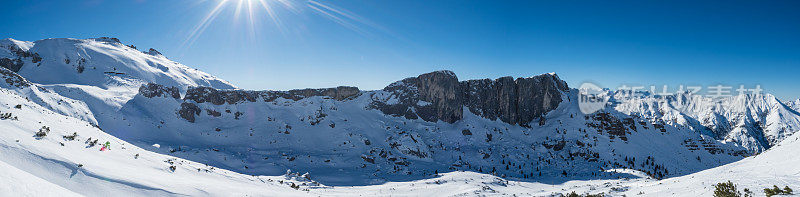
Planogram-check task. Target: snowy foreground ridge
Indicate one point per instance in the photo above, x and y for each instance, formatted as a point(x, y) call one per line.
point(89, 117)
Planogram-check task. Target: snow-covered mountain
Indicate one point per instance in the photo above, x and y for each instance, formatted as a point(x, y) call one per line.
point(11, 81)
point(66, 163)
point(526, 129)
point(794, 104)
point(100, 62)
point(102, 72)
point(755, 122)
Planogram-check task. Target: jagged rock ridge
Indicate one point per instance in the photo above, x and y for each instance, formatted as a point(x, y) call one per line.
point(194, 95)
point(440, 96)
point(431, 96)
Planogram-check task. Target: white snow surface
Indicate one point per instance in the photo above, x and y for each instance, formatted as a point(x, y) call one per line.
point(776, 166)
point(108, 64)
point(21, 183)
point(794, 104)
point(102, 72)
point(328, 138)
point(55, 166)
point(44, 167)
point(755, 121)
point(8, 43)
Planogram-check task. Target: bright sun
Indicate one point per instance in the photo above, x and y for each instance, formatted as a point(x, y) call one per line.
point(253, 11)
point(242, 7)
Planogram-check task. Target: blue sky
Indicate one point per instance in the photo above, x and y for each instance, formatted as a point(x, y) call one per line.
point(371, 43)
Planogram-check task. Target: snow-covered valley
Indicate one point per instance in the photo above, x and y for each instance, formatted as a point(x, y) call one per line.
point(174, 130)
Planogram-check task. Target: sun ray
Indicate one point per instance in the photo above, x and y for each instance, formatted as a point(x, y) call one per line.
point(341, 12)
point(288, 4)
point(254, 11)
point(251, 20)
point(204, 24)
point(337, 19)
point(238, 12)
point(272, 15)
point(340, 17)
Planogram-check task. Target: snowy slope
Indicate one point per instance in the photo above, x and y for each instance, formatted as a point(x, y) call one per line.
point(329, 137)
point(8, 46)
point(21, 183)
point(101, 72)
point(104, 63)
point(57, 166)
point(773, 167)
point(794, 104)
point(54, 170)
point(777, 166)
point(755, 122)
point(262, 132)
point(11, 81)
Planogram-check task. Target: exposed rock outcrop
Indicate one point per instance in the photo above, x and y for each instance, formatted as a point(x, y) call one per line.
point(154, 52)
point(151, 90)
point(11, 64)
point(513, 101)
point(188, 111)
point(108, 39)
point(432, 96)
point(15, 64)
point(435, 96)
point(13, 79)
point(219, 97)
point(440, 96)
point(337, 93)
point(194, 95)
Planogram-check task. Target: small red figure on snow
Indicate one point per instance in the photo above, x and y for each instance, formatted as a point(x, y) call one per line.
point(106, 146)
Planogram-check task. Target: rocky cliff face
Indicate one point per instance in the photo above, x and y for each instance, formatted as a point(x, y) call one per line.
point(435, 96)
point(194, 95)
point(514, 101)
point(16, 53)
point(440, 96)
point(219, 97)
point(151, 90)
point(12, 78)
point(430, 96)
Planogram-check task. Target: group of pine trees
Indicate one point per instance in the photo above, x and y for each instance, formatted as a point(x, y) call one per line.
point(728, 189)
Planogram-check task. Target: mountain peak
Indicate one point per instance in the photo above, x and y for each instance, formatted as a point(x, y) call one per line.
point(107, 39)
point(154, 52)
point(795, 105)
point(10, 42)
point(100, 62)
point(445, 72)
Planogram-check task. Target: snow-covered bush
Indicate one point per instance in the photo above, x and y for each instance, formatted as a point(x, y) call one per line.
point(42, 132)
point(90, 142)
point(71, 137)
point(6, 116)
point(728, 189)
point(777, 191)
point(574, 194)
